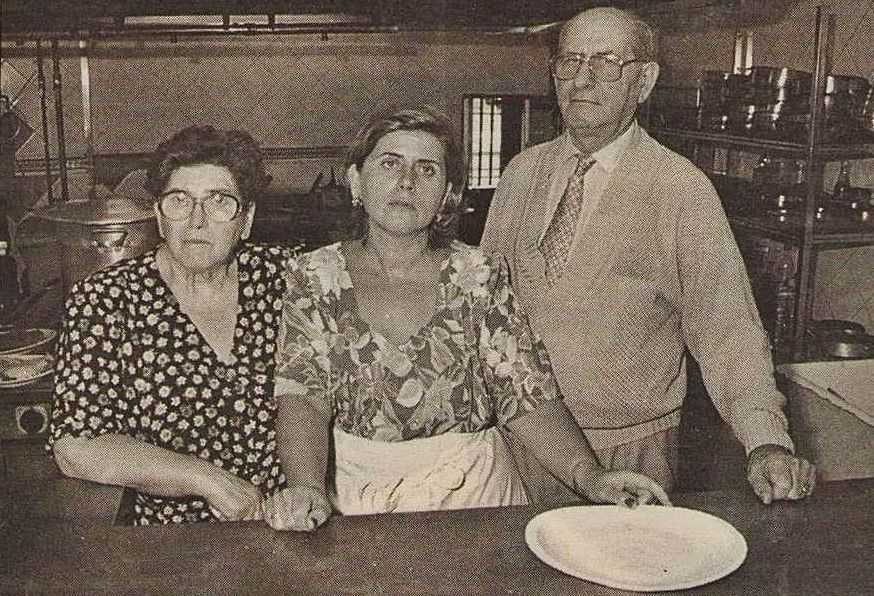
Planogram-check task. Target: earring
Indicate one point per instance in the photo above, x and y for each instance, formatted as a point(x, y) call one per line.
point(356, 202)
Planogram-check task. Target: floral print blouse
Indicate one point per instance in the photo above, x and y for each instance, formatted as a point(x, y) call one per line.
point(131, 362)
point(475, 364)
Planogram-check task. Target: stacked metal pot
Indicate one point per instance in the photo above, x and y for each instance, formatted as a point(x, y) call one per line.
point(774, 102)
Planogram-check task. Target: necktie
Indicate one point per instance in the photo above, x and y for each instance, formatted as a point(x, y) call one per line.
point(560, 232)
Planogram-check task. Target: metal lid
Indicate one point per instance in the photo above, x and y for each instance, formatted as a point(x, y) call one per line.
point(104, 207)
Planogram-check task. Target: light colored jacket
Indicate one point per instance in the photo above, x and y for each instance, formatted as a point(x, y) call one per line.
point(655, 270)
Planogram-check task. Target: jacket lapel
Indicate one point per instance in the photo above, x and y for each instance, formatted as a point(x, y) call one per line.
point(531, 266)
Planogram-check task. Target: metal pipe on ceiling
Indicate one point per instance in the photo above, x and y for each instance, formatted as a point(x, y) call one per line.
point(187, 30)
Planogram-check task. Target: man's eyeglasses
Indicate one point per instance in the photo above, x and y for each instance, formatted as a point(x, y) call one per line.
point(218, 206)
point(604, 67)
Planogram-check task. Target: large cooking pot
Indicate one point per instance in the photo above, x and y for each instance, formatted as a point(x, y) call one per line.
point(837, 338)
point(794, 82)
point(840, 345)
point(101, 231)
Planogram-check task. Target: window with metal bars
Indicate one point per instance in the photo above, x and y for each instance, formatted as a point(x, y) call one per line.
point(483, 135)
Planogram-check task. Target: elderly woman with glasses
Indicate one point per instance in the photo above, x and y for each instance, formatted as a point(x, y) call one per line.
point(165, 361)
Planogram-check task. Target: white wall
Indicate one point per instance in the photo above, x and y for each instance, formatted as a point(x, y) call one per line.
point(288, 91)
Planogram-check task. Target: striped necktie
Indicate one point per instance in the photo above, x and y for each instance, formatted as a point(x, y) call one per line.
point(562, 227)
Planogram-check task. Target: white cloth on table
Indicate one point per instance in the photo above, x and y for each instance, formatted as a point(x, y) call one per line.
point(847, 384)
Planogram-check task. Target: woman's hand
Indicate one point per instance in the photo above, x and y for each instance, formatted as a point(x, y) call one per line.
point(231, 498)
point(623, 488)
point(299, 508)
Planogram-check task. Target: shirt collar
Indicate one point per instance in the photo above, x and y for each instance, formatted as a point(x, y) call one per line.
point(606, 157)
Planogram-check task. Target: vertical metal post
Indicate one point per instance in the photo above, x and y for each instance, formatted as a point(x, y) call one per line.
point(479, 147)
point(59, 120)
point(85, 77)
point(491, 137)
point(468, 141)
point(807, 251)
point(526, 124)
point(44, 111)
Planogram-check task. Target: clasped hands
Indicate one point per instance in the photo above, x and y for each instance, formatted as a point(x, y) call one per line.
point(300, 507)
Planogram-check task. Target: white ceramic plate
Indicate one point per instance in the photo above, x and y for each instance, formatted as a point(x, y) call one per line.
point(20, 369)
point(650, 548)
point(19, 341)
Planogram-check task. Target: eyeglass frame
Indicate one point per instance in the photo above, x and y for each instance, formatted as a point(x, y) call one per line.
point(242, 204)
point(580, 58)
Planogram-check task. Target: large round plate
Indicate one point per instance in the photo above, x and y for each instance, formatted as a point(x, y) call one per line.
point(17, 370)
point(18, 341)
point(649, 548)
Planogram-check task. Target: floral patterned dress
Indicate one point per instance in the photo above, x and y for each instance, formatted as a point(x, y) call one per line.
point(131, 362)
point(474, 365)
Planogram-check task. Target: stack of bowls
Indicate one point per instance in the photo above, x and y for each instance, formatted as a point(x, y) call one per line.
point(26, 355)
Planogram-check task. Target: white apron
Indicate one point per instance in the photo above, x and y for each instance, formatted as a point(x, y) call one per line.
point(449, 471)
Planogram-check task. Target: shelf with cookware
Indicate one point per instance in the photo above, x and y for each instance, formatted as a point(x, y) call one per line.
point(764, 136)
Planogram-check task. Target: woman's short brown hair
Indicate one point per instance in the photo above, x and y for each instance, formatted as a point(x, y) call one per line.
point(202, 144)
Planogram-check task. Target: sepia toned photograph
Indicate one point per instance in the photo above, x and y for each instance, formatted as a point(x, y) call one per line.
point(448, 297)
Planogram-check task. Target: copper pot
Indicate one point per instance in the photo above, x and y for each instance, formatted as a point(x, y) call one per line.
point(856, 86)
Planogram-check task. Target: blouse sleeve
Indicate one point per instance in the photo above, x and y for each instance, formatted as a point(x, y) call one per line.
point(517, 368)
point(302, 359)
point(89, 397)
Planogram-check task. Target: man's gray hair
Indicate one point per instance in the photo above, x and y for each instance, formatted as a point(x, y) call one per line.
point(645, 37)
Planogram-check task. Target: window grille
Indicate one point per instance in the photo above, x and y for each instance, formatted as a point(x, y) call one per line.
point(483, 135)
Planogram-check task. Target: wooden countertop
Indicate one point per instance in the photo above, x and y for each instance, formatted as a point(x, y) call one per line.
point(820, 546)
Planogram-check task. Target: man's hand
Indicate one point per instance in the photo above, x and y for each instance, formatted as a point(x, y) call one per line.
point(775, 474)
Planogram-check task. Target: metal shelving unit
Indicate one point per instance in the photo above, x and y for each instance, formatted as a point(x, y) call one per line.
point(771, 146)
point(804, 231)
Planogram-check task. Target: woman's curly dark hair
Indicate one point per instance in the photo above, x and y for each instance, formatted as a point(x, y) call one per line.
point(202, 144)
point(442, 229)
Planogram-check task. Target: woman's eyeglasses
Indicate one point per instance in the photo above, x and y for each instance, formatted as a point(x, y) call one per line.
point(218, 206)
point(606, 68)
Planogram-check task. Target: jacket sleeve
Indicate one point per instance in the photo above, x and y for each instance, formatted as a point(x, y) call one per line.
point(512, 186)
point(720, 322)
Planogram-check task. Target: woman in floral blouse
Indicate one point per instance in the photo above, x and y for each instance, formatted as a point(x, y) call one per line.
point(410, 350)
point(165, 361)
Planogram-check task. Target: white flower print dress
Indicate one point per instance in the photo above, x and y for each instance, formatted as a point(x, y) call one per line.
point(131, 362)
